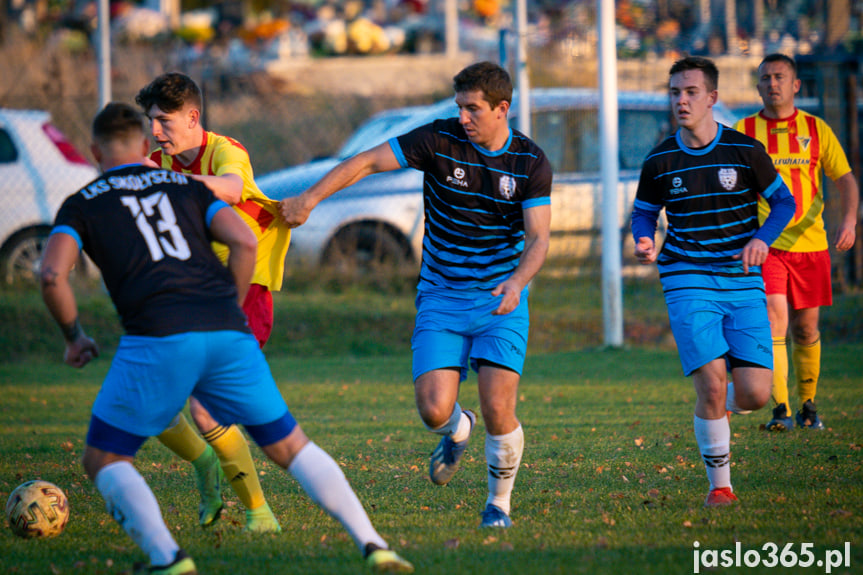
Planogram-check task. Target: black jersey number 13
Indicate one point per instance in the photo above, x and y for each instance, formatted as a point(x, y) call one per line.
point(159, 244)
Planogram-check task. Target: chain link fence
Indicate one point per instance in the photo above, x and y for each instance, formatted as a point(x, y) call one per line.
point(285, 120)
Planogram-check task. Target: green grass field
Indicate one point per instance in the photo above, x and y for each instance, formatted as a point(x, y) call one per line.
point(611, 481)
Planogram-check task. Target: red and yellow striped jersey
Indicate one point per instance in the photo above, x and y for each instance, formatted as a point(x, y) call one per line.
point(803, 147)
point(221, 155)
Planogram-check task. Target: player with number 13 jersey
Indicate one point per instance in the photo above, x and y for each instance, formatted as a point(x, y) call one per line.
point(157, 203)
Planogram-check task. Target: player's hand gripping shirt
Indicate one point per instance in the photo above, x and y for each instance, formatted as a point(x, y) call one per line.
point(473, 201)
point(802, 147)
point(221, 155)
point(710, 196)
point(147, 231)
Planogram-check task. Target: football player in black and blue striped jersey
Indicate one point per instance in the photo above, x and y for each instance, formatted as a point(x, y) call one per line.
point(708, 178)
point(487, 208)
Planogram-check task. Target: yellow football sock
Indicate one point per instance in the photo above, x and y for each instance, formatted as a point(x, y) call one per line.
point(780, 372)
point(807, 368)
point(182, 439)
point(231, 446)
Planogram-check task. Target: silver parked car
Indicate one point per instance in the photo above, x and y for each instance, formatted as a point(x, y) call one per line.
point(379, 220)
point(39, 168)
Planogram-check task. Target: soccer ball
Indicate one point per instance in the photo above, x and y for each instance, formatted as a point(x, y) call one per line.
point(37, 509)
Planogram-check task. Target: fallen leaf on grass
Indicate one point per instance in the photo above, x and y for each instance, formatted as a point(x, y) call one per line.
point(607, 519)
point(451, 544)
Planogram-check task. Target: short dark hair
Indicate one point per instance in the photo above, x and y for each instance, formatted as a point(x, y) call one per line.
point(706, 65)
point(487, 77)
point(777, 57)
point(118, 121)
point(170, 92)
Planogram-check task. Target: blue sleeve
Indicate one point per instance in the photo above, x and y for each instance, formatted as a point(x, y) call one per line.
point(644, 217)
point(782, 206)
point(534, 202)
point(397, 151)
point(69, 230)
point(215, 207)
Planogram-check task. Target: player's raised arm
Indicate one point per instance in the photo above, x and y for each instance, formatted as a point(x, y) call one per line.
point(227, 187)
point(295, 210)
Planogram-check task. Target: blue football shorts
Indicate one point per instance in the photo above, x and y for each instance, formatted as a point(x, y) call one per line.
point(151, 378)
point(456, 333)
point(706, 330)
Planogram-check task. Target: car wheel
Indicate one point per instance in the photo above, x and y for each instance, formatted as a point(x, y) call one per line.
point(366, 248)
point(21, 257)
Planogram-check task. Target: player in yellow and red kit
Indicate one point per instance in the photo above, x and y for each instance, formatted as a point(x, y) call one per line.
point(797, 270)
point(173, 104)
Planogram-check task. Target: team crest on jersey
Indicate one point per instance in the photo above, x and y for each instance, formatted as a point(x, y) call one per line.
point(507, 186)
point(804, 142)
point(728, 178)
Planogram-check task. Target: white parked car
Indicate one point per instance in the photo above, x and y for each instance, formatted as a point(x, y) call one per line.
point(379, 220)
point(39, 168)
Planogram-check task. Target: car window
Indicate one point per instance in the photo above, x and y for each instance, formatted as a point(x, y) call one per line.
point(371, 134)
point(8, 152)
point(570, 138)
point(639, 131)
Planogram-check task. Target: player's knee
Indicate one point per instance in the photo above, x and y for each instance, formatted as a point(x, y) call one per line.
point(752, 399)
point(433, 415)
point(712, 396)
point(805, 334)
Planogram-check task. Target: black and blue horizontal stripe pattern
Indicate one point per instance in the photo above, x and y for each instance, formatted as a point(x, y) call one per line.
point(473, 201)
point(710, 196)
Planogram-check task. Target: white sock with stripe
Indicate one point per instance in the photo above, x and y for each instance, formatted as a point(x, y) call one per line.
point(714, 442)
point(503, 456)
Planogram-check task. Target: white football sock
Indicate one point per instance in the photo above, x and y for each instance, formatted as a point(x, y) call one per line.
point(132, 504)
point(323, 480)
point(503, 456)
point(714, 440)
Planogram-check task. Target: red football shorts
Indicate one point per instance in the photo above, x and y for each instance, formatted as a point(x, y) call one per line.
point(803, 277)
point(258, 306)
